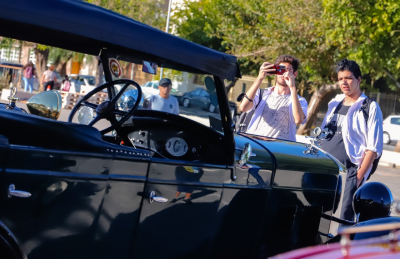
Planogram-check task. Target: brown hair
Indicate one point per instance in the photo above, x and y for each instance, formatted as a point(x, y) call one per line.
point(288, 59)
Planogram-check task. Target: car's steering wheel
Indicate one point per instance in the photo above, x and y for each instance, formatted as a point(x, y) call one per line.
point(108, 109)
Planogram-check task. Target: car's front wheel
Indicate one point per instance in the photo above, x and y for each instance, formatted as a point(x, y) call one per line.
point(186, 102)
point(386, 138)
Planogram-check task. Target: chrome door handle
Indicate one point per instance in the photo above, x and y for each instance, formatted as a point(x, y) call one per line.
point(153, 197)
point(16, 193)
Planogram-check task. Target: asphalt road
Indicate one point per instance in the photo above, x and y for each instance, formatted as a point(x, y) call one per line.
point(391, 178)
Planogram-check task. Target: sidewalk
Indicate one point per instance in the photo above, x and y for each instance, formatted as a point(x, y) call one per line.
point(388, 159)
point(23, 96)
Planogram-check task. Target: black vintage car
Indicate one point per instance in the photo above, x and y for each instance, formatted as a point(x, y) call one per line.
point(150, 184)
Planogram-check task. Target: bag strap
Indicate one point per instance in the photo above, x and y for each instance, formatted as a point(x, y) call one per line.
point(365, 108)
point(260, 97)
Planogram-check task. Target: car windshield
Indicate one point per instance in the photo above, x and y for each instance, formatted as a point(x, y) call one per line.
point(192, 99)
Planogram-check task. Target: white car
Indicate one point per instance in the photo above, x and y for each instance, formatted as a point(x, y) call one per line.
point(150, 88)
point(82, 81)
point(391, 129)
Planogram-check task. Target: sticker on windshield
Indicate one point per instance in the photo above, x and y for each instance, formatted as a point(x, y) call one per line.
point(115, 67)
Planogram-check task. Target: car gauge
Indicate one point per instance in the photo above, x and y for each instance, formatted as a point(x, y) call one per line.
point(176, 146)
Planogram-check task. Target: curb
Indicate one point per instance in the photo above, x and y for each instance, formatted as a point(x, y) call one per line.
point(387, 164)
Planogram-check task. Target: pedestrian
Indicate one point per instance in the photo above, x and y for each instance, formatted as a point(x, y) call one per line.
point(66, 84)
point(355, 140)
point(29, 76)
point(163, 101)
point(49, 79)
point(277, 109)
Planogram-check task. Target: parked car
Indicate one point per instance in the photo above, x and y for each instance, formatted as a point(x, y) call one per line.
point(201, 97)
point(150, 88)
point(79, 81)
point(163, 185)
point(391, 129)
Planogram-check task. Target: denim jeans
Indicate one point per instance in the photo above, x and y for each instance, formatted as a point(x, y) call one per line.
point(28, 82)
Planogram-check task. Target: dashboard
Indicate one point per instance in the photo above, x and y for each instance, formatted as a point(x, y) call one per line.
point(174, 137)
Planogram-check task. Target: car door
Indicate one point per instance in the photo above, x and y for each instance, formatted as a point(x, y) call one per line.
point(183, 220)
point(204, 99)
point(195, 97)
point(71, 204)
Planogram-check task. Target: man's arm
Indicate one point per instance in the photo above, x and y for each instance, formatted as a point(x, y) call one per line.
point(247, 104)
point(298, 113)
point(365, 165)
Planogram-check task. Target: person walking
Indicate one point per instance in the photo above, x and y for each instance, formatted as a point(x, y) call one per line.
point(356, 139)
point(277, 109)
point(66, 84)
point(164, 101)
point(29, 76)
point(49, 78)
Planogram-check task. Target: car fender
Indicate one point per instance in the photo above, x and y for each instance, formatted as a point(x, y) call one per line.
point(8, 239)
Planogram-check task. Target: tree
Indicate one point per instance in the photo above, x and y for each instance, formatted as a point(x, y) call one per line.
point(369, 32)
point(150, 12)
point(312, 30)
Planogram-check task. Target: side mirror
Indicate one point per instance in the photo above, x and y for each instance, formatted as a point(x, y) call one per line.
point(46, 104)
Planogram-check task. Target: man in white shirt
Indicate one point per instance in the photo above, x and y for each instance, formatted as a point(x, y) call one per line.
point(163, 101)
point(356, 140)
point(49, 79)
point(279, 108)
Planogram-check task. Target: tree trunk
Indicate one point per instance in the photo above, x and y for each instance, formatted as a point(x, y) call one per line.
point(99, 73)
point(41, 62)
point(319, 98)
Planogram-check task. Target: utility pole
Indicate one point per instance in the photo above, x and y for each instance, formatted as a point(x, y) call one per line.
point(166, 29)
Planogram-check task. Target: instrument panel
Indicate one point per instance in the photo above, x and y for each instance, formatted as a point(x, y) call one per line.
point(166, 143)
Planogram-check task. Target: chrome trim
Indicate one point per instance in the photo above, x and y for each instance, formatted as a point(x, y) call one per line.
point(153, 197)
point(17, 193)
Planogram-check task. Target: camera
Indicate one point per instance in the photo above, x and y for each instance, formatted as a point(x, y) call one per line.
point(279, 70)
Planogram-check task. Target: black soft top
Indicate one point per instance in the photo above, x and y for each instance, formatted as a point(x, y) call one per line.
point(86, 28)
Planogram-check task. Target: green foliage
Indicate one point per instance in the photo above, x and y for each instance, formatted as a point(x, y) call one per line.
point(319, 32)
point(198, 22)
point(150, 12)
point(367, 31)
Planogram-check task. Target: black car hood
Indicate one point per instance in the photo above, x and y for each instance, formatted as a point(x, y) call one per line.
point(289, 155)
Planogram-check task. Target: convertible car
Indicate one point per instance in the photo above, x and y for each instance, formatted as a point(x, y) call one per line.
point(127, 182)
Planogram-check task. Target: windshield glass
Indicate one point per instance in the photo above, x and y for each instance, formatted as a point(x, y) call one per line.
point(194, 98)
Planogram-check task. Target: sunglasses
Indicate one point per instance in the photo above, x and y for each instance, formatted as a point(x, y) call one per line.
point(165, 85)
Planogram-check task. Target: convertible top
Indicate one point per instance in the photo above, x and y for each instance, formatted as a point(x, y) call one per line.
point(86, 28)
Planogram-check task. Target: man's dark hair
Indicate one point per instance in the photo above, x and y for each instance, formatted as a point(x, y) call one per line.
point(349, 65)
point(288, 59)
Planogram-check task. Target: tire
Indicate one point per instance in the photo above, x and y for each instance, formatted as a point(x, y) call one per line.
point(186, 103)
point(386, 138)
point(212, 108)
